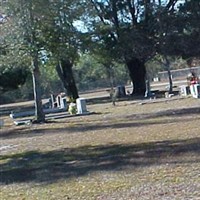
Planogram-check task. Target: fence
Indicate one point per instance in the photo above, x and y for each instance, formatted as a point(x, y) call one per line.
point(179, 73)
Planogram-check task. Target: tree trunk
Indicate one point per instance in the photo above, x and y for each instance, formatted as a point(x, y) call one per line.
point(64, 70)
point(167, 64)
point(110, 74)
point(170, 81)
point(39, 114)
point(137, 74)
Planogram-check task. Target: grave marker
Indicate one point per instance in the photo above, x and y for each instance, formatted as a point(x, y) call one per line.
point(184, 90)
point(81, 106)
point(195, 90)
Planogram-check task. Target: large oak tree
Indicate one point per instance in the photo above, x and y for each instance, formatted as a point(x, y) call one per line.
point(132, 31)
point(62, 39)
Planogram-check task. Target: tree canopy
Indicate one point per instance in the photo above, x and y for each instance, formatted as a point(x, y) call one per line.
point(129, 32)
point(134, 32)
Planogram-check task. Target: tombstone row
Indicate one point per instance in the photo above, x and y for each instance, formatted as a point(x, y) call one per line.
point(193, 90)
point(60, 101)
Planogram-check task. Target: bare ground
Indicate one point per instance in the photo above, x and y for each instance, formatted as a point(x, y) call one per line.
point(134, 150)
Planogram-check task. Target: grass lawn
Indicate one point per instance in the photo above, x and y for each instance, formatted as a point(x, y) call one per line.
point(129, 151)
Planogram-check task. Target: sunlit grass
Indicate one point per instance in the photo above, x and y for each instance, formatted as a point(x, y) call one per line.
point(119, 152)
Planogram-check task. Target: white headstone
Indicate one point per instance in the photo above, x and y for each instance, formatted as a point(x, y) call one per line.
point(184, 90)
point(81, 106)
point(63, 102)
point(195, 90)
point(198, 90)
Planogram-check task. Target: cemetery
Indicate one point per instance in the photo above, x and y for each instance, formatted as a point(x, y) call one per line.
point(58, 104)
point(54, 108)
point(115, 151)
point(100, 100)
point(193, 86)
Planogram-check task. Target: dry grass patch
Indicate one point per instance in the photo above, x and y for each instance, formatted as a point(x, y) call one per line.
point(129, 151)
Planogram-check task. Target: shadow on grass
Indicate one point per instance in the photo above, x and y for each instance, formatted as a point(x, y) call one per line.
point(82, 127)
point(127, 121)
point(49, 167)
point(107, 99)
point(167, 113)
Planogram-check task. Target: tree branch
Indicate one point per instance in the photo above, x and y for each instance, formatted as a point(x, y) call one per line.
point(132, 11)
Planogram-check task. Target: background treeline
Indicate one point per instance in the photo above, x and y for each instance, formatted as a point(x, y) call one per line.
point(82, 45)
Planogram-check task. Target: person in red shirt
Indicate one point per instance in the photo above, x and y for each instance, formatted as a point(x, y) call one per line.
point(192, 79)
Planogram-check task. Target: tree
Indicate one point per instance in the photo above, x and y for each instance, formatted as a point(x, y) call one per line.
point(62, 40)
point(94, 71)
point(12, 74)
point(178, 33)
point(12, 78)
point(131, 31)
point(26, 41)
point(190, 37)
point(118, 29)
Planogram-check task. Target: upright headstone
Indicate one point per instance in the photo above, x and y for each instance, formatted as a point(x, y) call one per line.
point(120, 91)
point(197, 86)
point(195, 90)
point(81, 106)
point(63, 103)
point(184, 90)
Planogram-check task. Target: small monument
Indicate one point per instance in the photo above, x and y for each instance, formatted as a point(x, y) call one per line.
point(184, 90)
point(61, 101)
point(81, 106)
point(195, 90)
point(120, 91)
